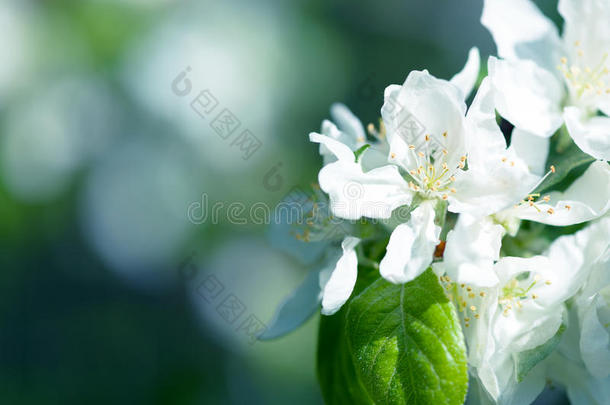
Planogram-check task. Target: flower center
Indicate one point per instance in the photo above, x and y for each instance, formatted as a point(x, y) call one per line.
point(585, 80)
point(519, 290)
point(431, 173)
point(467, 299)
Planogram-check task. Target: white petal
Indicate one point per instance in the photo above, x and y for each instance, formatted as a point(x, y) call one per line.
point(487, 190)
point(521, 31)
point(594, 338)
point(467, 77)
point(339, 287)
point(586, 21)
point(472, 248)
point(496, 177)
point(587, 198)
point(572, 258)
point(592, 135)
point(532, 149)
point(581, 387)
point(411, 246)
point(527, 95)
point(484, 137)
point(334, 146)
point(355, 194)
point(348, 122)
point(424, 105)
point(525, 392)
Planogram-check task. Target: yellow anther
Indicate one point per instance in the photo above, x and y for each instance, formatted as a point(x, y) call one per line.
point(564, 60)
point(453, 190)
point(445, 134)
point(477, 316)
point(445, 196)
point(421, 154)
point(550, 211)
point(473, 308)
point(546, 198)
point(411, 147)
point(534, 296)
point(393, 155)
point(552, 169)
point(482, 293)
point(548, 282)
point(568, 207)
point(427, 137)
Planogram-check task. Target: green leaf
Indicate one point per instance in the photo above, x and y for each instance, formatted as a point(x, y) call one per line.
point(527, 360)
point(407, 344)
point(567, 158)
point(336, 372)
point(360, 151)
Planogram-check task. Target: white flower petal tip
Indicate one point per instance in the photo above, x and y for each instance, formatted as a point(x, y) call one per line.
point(467, 77)
point(348, 122)
point(411, 247)
point(339, 287)
point(337, 148)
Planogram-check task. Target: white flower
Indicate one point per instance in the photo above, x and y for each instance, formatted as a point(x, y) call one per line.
point(544, 80)
point(431, 140)
point(525, 308)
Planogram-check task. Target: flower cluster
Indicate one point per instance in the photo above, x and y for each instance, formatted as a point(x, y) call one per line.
point(480, 214)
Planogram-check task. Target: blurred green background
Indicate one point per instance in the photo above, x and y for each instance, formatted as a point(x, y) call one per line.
point(100, 160)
